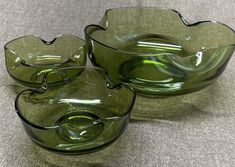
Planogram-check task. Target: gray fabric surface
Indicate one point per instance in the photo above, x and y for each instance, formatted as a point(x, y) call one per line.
point(190, 131)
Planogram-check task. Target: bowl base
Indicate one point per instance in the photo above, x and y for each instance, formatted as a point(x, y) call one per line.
point(79, 127)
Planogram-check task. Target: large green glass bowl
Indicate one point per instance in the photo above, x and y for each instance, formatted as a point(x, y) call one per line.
point(28, 58)
point(157, 51)
point(78, 117)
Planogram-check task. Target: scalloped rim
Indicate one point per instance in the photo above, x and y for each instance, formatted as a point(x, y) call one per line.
point(44, 42)
point(39, 91)
point(186, 23)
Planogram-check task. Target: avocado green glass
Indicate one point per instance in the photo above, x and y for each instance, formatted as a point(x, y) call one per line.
point(157, 52)
point(78, 117)
point(28, 58)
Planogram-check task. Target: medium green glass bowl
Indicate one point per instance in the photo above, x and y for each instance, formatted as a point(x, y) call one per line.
point(78, 117)
point(157, 51)
point(28, 58)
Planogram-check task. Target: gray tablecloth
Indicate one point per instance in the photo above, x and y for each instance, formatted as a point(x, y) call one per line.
point(187, 131)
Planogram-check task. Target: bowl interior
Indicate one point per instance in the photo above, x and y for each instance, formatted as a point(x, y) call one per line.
point(84, 112)
point(155, 30)
point(34, 51)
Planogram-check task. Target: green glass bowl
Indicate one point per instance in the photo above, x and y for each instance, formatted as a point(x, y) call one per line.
point(78, 117)
point(28, 58)
point(157, 51)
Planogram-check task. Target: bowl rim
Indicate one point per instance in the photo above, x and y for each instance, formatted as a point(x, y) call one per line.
point(180, 16)
point(45, 42)
point(43, 90)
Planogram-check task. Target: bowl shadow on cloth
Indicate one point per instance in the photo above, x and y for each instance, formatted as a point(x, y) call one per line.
point(102, 158)
point(16, 88)
point(177, 108)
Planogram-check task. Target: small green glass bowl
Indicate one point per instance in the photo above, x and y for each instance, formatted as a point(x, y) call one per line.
point(78, 117)
point(28, 58)
point(157, 51)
